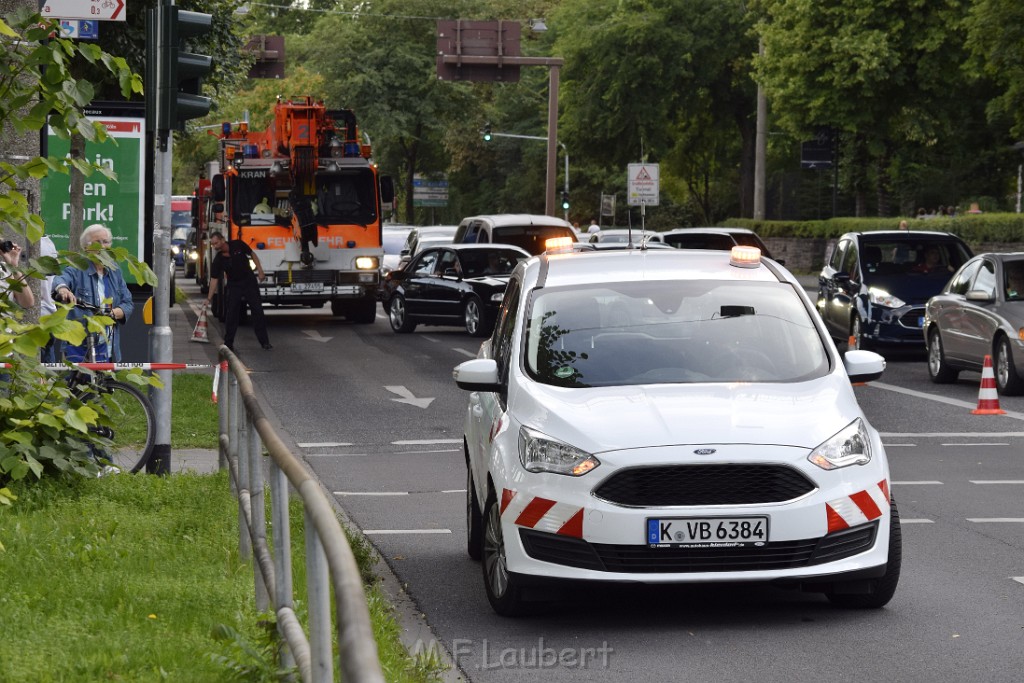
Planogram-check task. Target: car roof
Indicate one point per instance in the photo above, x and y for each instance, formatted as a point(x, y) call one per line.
point(906, 234)
point(637, 265)
point(709, 231)
point(500, 220)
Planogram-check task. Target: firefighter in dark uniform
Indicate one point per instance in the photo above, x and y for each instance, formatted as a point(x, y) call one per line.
point(232, 260)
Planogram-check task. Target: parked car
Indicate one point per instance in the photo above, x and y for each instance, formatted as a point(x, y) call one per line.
point(874, 288)
point(525, 231)
point(450, 285)
point(719, 239)
point(624, 235)
point(672, 416)
point(979, 313)
point(191, 254)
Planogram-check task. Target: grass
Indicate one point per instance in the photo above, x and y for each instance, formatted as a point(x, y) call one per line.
point(137, 578)
point(194, 422)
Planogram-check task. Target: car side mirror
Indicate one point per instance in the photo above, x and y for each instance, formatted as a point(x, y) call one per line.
point(863, 366)
point(479, 374)
point(980, 295)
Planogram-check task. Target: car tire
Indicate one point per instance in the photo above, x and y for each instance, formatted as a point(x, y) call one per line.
point(939, 368)
point(883, 588)
point(398, 315)
point(504, 589)
point(474, 520)
point(474, 318)
point(363, 311)
point(1008, 382)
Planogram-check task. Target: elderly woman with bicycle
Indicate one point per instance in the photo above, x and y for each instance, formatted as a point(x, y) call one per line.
point(99, 288)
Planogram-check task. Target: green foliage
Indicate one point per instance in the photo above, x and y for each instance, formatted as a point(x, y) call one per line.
point(44, 427)
point(251, 661)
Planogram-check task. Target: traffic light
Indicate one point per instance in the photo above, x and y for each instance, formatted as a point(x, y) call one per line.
point(174, 76)
point(565, 200)
point(487, 132)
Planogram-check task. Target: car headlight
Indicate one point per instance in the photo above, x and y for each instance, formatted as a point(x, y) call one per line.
point(367, 263)
point(193, 255)
point(175, 249)
point(539, 453)
point(851, 446)
point(496, 298)
point(884, 298)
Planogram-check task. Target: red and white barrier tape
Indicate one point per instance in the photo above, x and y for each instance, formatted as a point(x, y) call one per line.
point(110, 367)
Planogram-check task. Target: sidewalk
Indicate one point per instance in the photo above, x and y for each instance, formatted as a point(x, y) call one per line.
point(182, 321)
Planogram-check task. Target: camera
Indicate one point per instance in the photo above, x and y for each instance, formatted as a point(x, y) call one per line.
point(6, 246)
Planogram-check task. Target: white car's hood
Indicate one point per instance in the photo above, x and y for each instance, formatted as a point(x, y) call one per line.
point(601, 419)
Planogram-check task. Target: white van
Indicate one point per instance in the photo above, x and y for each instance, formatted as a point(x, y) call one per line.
point(525, 231)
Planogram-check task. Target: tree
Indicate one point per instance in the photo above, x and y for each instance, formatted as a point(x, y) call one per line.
point(41, 425)
point(880, 73)
point(666, 80)
point(995, 36)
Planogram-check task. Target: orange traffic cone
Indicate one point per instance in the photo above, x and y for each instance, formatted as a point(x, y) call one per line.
point(199, 333)
point(988, 397)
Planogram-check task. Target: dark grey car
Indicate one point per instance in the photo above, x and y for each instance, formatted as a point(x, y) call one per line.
point(979, 313)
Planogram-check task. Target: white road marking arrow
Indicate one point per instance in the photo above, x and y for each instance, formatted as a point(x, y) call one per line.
point(407, 397)
point(315, 336)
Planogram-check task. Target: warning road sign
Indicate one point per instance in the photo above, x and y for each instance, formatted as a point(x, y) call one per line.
point(643, 185)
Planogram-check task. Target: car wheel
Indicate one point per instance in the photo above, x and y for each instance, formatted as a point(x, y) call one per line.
point(474, 519)
point(473, 317)
point(399, 316)
point(504, 591)
point(938, 368)
point(880, 590)
point(1008, 382)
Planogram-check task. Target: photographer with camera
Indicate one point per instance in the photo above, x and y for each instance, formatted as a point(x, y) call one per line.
point(10, 281)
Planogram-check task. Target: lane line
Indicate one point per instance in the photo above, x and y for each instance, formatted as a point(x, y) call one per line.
point(371, 493)
point(336, 455)
point(429, 339)
point(996, 520)
point(974, 444)
point(424, 442)
point(463, 351)
point(384, 532)
point(996, 481)
point(324, 444)
point(439, 450)
point(900, 445)
point(916, 483)
point(1018, 579)
point(916, 521)
point(950, 435)
point(938, 399)
point(454, 491)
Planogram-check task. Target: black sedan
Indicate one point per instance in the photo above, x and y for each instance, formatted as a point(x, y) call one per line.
point(451, 284)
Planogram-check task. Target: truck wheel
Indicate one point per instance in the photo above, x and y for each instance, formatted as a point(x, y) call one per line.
point(339, 308)
point(363, 312)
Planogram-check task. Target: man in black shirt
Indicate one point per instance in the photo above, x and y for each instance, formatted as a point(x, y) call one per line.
point(232, 261)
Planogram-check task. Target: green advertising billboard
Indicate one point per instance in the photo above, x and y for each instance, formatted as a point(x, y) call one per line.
point(118, 204)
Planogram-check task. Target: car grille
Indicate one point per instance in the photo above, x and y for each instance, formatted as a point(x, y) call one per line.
point(671, 485)
point(641, 559)
point(912, 318)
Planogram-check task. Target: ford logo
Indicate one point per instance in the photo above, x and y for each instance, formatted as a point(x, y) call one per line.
point(704, 451)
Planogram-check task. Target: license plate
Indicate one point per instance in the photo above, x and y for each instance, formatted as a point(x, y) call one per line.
point(307, 286)
point(707, 532)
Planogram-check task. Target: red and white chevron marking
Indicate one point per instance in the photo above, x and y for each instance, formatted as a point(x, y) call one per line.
point(857, 508)
point(542, 514)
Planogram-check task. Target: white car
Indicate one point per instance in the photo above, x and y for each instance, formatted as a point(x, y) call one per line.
point(667, 416)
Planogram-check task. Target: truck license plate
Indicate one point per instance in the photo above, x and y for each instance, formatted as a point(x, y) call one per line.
point(707, 532)
point(307, 286)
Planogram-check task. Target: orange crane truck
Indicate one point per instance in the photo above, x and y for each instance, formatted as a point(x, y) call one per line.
point(307, 197)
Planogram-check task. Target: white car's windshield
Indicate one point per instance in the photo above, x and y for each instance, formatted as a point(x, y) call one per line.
point(672, 332)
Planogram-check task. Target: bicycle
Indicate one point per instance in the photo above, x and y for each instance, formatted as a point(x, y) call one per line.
point(127, 419)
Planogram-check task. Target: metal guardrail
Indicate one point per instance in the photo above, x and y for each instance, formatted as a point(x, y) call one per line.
point(244, 432)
